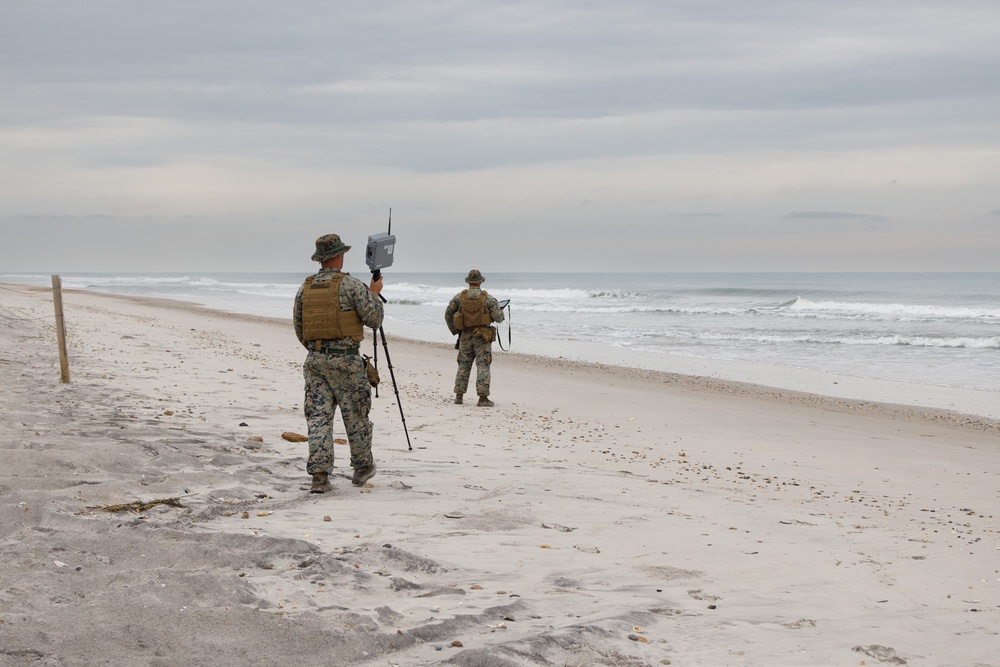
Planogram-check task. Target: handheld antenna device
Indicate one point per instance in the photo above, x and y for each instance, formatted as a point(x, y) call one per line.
point(378, 256)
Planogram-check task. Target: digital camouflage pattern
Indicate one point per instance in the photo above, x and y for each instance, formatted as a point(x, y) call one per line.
point(333, 380)
point(328, 246)
point(473, 348)
point(337, 380)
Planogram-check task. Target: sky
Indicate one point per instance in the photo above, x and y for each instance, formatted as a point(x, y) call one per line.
point(546, 135)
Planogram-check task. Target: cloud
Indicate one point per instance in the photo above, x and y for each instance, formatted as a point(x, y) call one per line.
point(701, 122)
point(835, 215)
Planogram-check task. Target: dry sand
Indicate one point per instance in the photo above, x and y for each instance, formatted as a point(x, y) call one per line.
point(595, 516)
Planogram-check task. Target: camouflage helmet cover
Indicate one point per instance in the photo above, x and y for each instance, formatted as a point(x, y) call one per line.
point(475, 277)
point(327, 246)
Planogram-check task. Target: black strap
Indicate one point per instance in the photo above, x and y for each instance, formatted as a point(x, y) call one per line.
point(508, 331)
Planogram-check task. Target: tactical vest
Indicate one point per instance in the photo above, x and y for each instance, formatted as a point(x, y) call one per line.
point(472, 312)
point(322, 318)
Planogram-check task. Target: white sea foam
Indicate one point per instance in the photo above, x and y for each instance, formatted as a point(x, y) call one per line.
point(891, 311)
point(935, 329)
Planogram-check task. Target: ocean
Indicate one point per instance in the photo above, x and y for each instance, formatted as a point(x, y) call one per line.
point(935, 329)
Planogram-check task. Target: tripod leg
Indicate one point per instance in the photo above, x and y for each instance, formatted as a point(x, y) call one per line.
point(375, 355)
point(395, 388)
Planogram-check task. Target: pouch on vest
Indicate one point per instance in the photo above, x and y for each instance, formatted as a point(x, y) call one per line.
point(371, 371)
point(471, 312)
point(489, 334)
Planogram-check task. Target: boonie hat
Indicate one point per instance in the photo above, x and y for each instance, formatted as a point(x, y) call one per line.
point(327, 246)
point(474, 277)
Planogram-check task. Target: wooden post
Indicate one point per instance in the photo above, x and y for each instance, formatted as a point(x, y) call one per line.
point(60, 327)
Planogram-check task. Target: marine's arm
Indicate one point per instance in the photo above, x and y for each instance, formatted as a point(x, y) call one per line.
point(496, 312)
point(449, 312)
point(367, 305)
point(297, 317)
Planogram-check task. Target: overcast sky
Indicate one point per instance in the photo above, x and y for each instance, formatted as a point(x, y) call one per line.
point(660, 135)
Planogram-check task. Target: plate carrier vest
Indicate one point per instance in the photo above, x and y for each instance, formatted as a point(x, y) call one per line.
point(322, 318)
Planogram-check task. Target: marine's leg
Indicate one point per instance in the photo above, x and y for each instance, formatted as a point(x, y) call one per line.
point(466, 357)
point(484, 357)
point(319, 406)
point(354, 395)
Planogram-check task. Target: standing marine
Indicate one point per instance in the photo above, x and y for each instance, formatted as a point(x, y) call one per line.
point(470, 314)
point(330, 313)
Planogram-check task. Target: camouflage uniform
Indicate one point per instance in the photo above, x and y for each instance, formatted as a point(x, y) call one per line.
point(472, 347)
point(335, 375)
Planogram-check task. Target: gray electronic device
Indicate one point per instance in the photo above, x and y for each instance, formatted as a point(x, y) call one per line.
point(378, 255)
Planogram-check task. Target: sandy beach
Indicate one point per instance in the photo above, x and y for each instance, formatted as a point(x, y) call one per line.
point(596, 516)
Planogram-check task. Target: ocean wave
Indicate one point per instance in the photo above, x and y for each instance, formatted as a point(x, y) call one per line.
point(31, 278)
point(119, 281)
point(889, 311)
point(251, 289)
point(564, 294)
point(964, 342)
point(986, 343)
point(528, 293)
point(416, 302)
point(623, 309)
point(745, 292)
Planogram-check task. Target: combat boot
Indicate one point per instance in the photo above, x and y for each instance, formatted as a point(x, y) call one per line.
point(320, 483)
point(484, 401)
point(458, 399)
point(363, 474)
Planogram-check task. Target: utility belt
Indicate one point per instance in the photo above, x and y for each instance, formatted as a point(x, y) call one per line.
point(326, 347)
